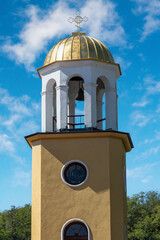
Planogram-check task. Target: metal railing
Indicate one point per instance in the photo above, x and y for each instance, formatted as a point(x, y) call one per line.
point(101, 120)
point(73, 121)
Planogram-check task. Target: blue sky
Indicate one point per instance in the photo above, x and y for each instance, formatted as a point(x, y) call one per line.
point(28, 29)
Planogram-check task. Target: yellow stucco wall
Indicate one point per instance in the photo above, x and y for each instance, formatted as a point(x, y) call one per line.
point(100, 201)
point(36, 191)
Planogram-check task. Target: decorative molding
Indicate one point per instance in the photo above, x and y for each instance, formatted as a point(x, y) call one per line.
point(46, 92)
point(65, 86)
point(57, 64)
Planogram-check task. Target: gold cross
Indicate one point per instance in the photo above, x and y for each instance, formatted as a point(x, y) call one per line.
point(78, 20)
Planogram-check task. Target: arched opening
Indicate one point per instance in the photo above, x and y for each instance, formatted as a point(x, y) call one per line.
point(76, 103)
point(100, 100)
point(49, 103)
point(75, 230)
point(54, 109)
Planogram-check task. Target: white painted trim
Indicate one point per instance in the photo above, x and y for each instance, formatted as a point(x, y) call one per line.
point(74, 220)
point(64, 167)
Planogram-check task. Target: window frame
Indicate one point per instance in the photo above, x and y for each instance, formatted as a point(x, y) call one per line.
point(72, 221)
point(63, 172)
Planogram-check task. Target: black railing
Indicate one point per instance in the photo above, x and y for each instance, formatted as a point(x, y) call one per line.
point(101, 120)
point(74, 122)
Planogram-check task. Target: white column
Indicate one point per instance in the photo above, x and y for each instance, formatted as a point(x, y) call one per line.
point(72, 93)
point(54, 109)
point(47, 105)
point(111, 108)
point(99, 113)
point(90, 104)
point(62, 101)
point(43, 111)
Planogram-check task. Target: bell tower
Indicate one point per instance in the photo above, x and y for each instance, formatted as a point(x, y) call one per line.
point(79, 160)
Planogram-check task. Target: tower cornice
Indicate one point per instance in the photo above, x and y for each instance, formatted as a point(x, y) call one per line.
point(125, 137)
point(63, 63)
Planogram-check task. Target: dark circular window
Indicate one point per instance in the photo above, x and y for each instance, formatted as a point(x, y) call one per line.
point(74, 173)
point(76, 231)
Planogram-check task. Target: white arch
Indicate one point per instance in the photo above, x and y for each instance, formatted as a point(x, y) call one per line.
point(74, 220)
point(50, 83)
point(48, 105)
point(74, 75)
point(73, 89)
point(105, 81)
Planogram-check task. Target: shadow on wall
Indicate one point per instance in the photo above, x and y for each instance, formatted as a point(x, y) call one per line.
point(93, 152)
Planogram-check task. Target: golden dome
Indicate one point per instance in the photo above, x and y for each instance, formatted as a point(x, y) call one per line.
point(77, 47)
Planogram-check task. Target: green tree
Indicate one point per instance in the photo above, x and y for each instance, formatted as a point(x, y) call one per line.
point(144, 216)
point(15, 224)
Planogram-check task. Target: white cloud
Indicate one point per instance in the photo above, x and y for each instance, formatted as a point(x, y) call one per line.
point(141, 55)
point(15, 104)
point(140, 119)
point(150, 88)
point(21, 178)
point(141, 103)
point(20, 116)
point(7, 144)
point(140, 172)
point(149, 79)
point(146, 180)
point(41, 27)
point(106, 23)
point(154, 88)
point(151, 12)
point(158, 108)
point(45, 25)
point(9, 122)
point(19, 108)
point(155, 138)
point(123, 63)
point(151, 85)
point(150, 151)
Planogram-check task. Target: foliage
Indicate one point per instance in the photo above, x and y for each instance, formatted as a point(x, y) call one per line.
point(143, 219)
point(15, 224)
point(144, 216)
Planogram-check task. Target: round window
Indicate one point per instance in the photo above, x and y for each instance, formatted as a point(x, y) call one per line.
point(74, 173)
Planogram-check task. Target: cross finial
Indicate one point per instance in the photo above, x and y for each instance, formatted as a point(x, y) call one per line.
point(78, 20)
